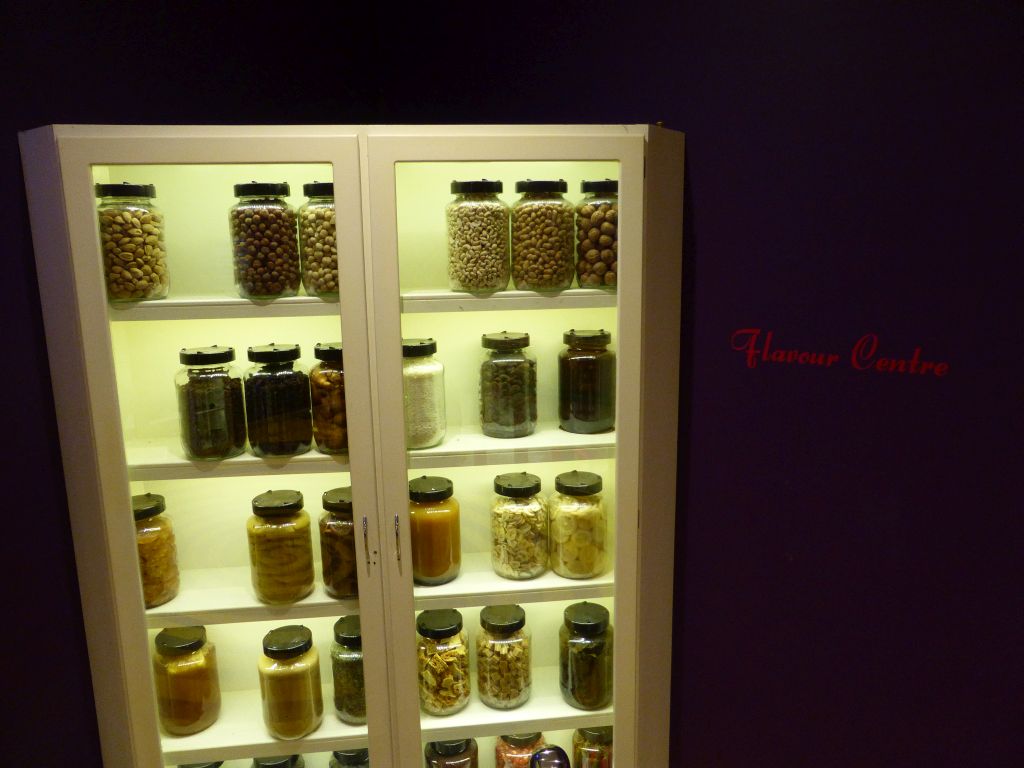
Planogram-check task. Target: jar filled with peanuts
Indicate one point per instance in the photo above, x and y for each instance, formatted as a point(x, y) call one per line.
point(519, 527)
point(542, 236)
point(327, 393)
point(280, 547)
point(158, 553)
point(443, 661)
point(503, 657)
point(578, 525)
point(132, 241)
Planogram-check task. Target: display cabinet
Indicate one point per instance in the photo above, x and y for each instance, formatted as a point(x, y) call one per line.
point(113, 366)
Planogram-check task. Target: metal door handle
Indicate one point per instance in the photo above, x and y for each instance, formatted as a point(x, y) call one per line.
point(398, 541)
point(366, 543)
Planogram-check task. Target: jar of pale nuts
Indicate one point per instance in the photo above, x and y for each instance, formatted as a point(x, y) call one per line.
point(508, 385)
point(542, 237)
point(158, 554)
point(263, 241)
point(280, 547)
point(327, 390)
point(338, 544)
point(478, 253)
point(186, 680)
point(132, 240)
point(519, 527)
point(278, 411)
point(443, 661)
point(597, 235)
point(503, 657)
point(318, 241)
point(578, 525)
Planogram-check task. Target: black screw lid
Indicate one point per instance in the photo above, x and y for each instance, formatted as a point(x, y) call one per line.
point(215, 764)
point(273, 188)
point(206, 355)
point(505, 340)
point(600, 338)
point(330, 351)
point(347, 631)
point(586, 619)
point(177, 641)
point(274, 503)
point(338, 500)
point(451, 746)
point(577, 483)
point(502, 619)
point(275, 761)
point(352, 756)
point(319, 189)
point(147, 505)
point(484, 185)
point(521, 739)
point(286, 642)
point(517, 485)
point(439, 624)
point(542, 186)
point(600, 734)
point(607, 186)
point(429, 488)
point(418, 347)
point(124, 189)
point(274, 353)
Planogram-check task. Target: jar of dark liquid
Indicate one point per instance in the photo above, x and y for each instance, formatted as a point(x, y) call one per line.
point(586, 382)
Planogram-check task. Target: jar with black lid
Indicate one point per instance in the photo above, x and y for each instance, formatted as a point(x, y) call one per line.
point(264, 242)
point(211, 413)
point(579, 525)
point(549, 757)
point(515, 750)
point(434, 530)
point(592, 747)
point(519, 527)
point(423, 393)
point(597, 233)
point(278, 411)
point(158, 552)
point(542, 237)
point(350, 758)
point(586, 382)
point(508, 385)
point(327, 392)
point(452, 753)
point(280, 547)
point(289, 672)
point(214, 764)
point(318, 241)
point(338, 544)
point(585, 656)
point(503, 668)
point(132, 241)
point(186, 680)
point(442, 656)
point(279, 761)
point(478, 249)
point(347, 670)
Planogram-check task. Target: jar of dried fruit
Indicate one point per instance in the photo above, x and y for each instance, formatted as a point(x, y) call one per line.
point(327, 391)
point(515, 750)
point(503, 657)
point(263, 241)
point(578, 525)
point(158, 553)
point(132, 241)
point(443, 661)
point(542, 236)
point(338, 544)
point(519, 527)
point(597, 235)
point(318, 241)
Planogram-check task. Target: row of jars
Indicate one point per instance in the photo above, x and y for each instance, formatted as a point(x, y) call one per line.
point(340, 758)
point(542, 242)
point(503, 658)
point(283, 411)
point(274, 248)
point(280, 547)
point(508, 386)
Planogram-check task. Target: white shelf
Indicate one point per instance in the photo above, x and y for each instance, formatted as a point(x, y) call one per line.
point(225, 596)
point(545, 711)
point(478, 584)
point(447, 301)
point(240, 733)
point(163, 459)
point(466, 447)
point(216, 307)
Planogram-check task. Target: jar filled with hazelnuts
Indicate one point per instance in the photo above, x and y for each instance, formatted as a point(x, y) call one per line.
point(597, 235)
point(264, 241)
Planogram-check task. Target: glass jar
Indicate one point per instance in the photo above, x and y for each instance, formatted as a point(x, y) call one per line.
point(347, 668)
point(278, 411)
point(478, 252)
point(289, 672)
point(327, 391)
point(592, 747)
point(263, 241)
point(542, 237)
point(597, 235)
point(515, 750)
point(158, 553)
point(344, 758)
point(318, 241)
point(186, 680)
point(214, 764)
point(585, 642)
point(443, 661)
point(211, 413)
point(503, 657)
point(434, 530)
point(423, 392)
point(452, 753)
point(279, 761)
point(132, 241)
point(519, 527)
point(549, 757)
point(338, 545)
point(280, 548)
point(578, 525)
point(508, 385)
point(586, 382)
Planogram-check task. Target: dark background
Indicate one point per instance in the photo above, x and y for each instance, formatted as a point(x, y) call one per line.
point(848, 584)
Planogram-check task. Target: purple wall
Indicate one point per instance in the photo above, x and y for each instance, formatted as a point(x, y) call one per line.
point(846, 585)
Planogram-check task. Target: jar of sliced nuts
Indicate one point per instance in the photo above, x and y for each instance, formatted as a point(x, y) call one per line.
point(597, 235)
point(338, 544)
point(503, 657)
point(132, 241)
point(519, 527)
point(508, 385)
point(318, 241)
point(542, 237)
point(443, 661)
point(578, 525)
point(263, 241)
point(327, 390)
point(158, 554)
point(478, 253)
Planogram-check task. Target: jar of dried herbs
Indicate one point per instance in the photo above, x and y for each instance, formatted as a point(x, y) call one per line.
point(585, 656)
point(519, 527)
point(347, 666)
point(338, 544)
point(277, 405)
point(503, 657)
point(508, 385)
point(211, 414)
point(443, 661)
